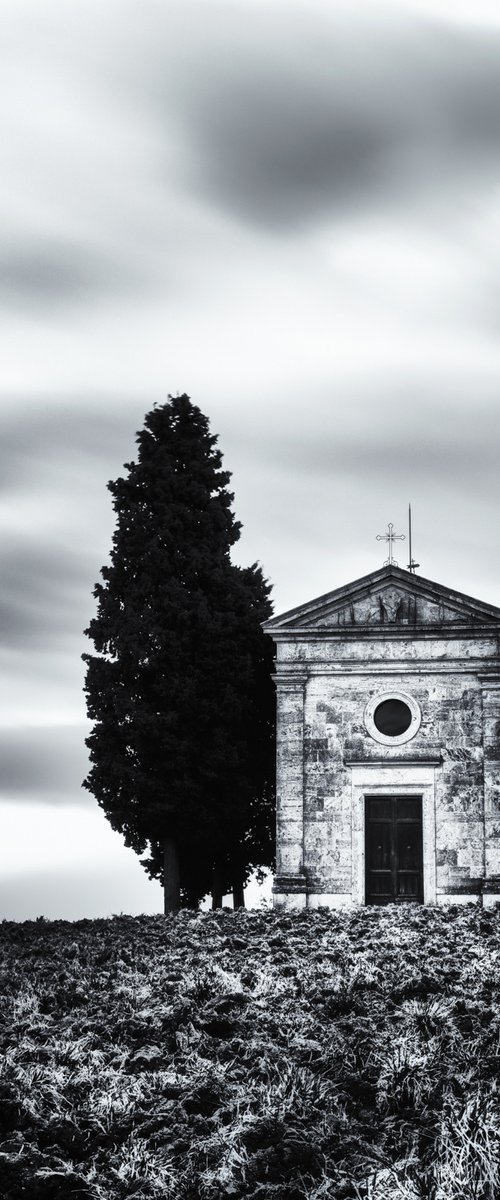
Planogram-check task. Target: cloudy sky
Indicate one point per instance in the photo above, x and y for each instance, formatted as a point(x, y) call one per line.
point(290, 210)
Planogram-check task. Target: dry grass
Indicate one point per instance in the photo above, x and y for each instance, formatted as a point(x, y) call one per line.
point(327, 1056)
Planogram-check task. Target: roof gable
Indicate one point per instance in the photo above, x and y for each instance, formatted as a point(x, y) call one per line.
point(389, 596)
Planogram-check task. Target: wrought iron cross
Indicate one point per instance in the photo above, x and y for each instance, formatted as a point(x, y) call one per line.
point(390, 537)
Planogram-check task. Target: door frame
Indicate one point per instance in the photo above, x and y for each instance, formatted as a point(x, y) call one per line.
point(377, 779)
point(395, 866)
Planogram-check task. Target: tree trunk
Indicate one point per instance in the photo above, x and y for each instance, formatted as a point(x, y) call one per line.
point(217, 894)
point(171, 876)
point(238, 894)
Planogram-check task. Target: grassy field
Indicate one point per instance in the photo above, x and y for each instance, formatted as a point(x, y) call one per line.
point(323, 1055)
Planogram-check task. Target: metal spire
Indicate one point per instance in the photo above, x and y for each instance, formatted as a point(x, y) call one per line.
point(390, 537)
point(412, 565)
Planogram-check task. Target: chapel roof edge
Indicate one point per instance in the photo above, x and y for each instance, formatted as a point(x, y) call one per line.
point(299, 616)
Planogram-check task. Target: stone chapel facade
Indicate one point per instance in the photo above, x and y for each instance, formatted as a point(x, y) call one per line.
point(388, 758)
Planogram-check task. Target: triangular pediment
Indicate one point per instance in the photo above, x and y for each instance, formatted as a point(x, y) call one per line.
point(390, 596)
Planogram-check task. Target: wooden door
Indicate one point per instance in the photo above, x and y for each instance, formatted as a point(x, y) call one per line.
point(393, 849)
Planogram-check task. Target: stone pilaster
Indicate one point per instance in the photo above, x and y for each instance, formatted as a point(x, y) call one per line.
point(491, 745)
point(290, 883)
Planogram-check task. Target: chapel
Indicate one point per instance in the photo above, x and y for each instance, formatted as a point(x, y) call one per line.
point(388, 746)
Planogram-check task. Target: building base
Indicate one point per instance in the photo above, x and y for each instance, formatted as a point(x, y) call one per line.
point(294, 893)
point(330, 900)
point(290, 892)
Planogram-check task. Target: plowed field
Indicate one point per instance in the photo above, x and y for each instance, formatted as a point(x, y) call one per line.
point(202, 1056)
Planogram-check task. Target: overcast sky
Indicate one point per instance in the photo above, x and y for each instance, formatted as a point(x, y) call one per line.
point(290, 210)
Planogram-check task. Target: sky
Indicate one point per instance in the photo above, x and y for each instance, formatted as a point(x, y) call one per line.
point(290, 210)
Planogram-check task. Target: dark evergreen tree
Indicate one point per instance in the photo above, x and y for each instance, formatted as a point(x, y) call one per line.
point(179, 689)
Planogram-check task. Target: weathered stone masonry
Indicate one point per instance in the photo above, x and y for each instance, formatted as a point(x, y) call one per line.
point(423, 651)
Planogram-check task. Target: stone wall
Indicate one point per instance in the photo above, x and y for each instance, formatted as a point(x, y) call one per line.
point(322, 736)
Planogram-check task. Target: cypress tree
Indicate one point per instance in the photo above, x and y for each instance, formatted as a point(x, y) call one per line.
point(179, 689)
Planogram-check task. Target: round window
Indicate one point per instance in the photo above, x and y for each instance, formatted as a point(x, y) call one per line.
point(392, 718)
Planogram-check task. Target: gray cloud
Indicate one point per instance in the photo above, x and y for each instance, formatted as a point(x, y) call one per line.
point(398, 456)
point(281, 122)
point(41, 588)
point(54, 465)
point(55, 272)
point(45, 764)
point(399, 428)
point(290, 121)
point(40, 436)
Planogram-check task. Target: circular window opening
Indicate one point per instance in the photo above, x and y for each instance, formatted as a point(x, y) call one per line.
point(392, 717)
